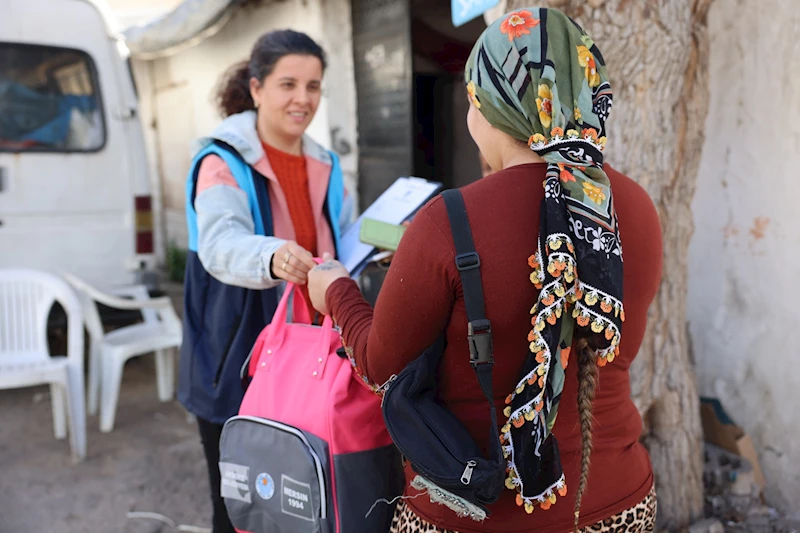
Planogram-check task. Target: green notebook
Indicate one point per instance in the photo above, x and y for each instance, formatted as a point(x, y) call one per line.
point(381, 234)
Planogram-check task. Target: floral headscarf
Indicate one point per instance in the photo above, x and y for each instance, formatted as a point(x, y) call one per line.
point(535, 75)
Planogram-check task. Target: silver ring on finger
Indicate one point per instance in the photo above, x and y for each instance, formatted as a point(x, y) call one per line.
point(284, 266)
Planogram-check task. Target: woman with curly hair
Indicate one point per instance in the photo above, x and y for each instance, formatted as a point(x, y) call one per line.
point(263, 199)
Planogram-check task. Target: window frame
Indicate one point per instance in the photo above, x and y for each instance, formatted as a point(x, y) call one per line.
point(98, 94)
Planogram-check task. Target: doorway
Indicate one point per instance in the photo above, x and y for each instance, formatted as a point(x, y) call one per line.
point(443, 148)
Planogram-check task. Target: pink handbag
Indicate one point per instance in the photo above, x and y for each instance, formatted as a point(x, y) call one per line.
point(309, 451)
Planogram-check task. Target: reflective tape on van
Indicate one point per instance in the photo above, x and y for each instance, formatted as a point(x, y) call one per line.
point(144, 224)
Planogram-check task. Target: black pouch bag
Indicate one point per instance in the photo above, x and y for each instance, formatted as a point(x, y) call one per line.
point(448, 462)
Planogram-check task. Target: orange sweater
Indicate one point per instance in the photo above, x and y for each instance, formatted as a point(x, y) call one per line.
point(293, 178)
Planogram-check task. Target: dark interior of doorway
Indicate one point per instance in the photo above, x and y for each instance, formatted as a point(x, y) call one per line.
point(443, 150)
point(411, 124)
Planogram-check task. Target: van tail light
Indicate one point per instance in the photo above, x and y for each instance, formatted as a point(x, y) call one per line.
point(144, 224)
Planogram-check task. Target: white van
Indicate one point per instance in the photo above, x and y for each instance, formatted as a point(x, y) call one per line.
point(74, 187)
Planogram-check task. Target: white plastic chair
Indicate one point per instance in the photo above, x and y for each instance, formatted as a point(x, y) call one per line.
point(160, 332)
point(26, 297)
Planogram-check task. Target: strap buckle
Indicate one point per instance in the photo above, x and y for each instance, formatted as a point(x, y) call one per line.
point(479, 336)
point(467, 261)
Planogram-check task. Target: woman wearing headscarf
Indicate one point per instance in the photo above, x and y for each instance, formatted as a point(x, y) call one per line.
point(548, 231)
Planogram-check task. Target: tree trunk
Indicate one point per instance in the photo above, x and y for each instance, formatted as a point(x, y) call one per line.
point(657, 57)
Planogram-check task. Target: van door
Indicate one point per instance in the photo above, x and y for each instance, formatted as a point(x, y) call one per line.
point(66, 195)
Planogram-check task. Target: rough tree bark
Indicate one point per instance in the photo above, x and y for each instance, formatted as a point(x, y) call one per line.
point(657, 54)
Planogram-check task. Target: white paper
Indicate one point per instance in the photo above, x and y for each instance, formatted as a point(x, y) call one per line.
point(395, 205)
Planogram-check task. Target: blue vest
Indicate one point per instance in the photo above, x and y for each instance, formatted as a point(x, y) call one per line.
point(221, 322)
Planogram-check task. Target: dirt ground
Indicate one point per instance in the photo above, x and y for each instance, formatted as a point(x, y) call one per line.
point(152, 462)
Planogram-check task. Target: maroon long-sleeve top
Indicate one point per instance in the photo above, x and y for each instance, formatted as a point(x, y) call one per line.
point(422, 296)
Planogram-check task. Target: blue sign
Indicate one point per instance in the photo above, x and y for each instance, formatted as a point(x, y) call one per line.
point(465, 10)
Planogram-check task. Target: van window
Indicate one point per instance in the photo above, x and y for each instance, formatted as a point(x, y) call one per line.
point(49, 100)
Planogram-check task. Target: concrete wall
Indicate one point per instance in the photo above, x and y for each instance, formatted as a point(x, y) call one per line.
point(744, 259)
point(177, 93)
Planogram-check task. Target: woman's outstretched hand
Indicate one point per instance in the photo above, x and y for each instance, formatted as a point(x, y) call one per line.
point(291, 262)
point(321, 277)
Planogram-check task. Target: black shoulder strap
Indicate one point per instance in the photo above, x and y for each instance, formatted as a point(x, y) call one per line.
point(479, 329)
point(468, 264)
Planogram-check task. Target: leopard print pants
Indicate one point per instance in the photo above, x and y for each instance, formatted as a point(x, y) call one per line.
point(641, 518)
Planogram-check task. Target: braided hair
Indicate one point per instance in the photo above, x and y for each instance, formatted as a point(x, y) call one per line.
point(587, 385)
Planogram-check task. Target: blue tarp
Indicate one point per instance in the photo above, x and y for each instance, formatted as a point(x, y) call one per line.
point(30, 116)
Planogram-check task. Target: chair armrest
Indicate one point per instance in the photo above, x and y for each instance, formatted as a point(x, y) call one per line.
point(159, 303)
point(136, 292)
point(170, 319)
point(115, 301)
